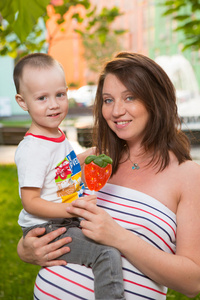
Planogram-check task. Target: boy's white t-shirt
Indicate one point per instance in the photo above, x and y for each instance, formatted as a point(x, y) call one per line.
point(51, 165)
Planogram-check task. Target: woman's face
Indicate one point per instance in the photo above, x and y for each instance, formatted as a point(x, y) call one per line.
point(124, 114)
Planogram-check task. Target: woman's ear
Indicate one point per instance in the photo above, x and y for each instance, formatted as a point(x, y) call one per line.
point(21, 102)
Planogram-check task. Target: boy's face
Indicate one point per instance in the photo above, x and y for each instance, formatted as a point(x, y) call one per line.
point(43, 93)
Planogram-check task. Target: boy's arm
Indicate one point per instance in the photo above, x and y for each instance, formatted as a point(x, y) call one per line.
point(35, 205)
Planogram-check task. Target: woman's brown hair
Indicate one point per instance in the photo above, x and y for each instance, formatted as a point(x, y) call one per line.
point(147, 81)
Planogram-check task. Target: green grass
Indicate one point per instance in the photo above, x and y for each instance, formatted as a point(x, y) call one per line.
point(16, 121)
point(17, 277)
point(26, 121)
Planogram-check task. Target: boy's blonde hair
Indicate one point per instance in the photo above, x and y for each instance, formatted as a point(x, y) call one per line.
point(37, 60)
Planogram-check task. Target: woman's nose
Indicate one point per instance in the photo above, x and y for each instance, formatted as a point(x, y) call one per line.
point(118, 108)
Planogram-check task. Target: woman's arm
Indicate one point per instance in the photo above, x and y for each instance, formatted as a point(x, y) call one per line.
point(37, 206)
point(36, 250)
point(82, 156)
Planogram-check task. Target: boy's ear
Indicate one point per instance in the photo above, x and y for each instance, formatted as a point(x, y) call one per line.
point(21, 102)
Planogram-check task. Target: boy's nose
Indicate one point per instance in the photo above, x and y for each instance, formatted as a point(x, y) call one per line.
point(53, 103)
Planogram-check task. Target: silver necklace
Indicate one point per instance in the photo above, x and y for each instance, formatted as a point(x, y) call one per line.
point(135, 166)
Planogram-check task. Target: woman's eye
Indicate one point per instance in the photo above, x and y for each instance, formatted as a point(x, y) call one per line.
point(107, 100)
point(130, 98)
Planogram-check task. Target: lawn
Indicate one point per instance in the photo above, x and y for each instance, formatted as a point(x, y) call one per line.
point(17, 278)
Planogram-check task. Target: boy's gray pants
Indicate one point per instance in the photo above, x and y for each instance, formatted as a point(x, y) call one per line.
point(105, 261)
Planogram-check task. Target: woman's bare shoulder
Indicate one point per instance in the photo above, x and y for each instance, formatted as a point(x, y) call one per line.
point(189, 171)
point(190, 166)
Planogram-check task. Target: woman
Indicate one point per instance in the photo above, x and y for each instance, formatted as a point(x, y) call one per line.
point(150, 208)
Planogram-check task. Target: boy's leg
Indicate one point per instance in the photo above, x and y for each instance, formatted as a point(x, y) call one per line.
point(105, 262)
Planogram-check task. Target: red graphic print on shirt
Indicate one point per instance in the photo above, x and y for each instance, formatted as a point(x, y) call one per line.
point(63, 171)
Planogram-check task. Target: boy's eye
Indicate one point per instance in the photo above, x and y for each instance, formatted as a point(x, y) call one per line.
point(42, 98)
point(59, 95)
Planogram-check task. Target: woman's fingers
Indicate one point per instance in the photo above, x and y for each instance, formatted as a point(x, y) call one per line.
point(89, 198)
point(40, 250)
point(84, 209)
point(53, 251)
point(49, 237)
point(36, 232)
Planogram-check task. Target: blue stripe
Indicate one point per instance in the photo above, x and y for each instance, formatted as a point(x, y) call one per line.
point(139, 295)
point(86, 276)
point(136, 201)
point(60, 288)
point(137, 216)
point(136, 273)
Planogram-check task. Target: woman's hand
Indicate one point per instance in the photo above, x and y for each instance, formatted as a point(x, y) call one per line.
point(97, 225)
point(37, 250)
point(89, 199)
point(82, 156)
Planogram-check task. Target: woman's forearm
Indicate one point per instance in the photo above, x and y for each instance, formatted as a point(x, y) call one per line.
point(176, 272)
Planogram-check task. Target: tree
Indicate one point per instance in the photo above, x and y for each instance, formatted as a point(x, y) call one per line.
point(94, 52)
point(187, 15)
point(102, 46)
point(23, 24)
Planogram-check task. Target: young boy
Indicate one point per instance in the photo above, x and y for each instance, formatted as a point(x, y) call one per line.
point(49, 172)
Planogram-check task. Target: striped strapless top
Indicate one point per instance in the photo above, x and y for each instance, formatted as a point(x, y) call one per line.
point(135, 211)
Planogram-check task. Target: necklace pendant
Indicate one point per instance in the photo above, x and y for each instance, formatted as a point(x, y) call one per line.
point(135, 166)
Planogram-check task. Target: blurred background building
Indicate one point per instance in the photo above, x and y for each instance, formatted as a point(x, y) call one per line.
point(147, 32)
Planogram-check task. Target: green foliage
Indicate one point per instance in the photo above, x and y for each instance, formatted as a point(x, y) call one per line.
point(99, 39)
point(22, 24)
point(99, 25)
point(21, 15)
point(96, 52)
point(17, 277)
point(172, 295)
point(187, 15)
